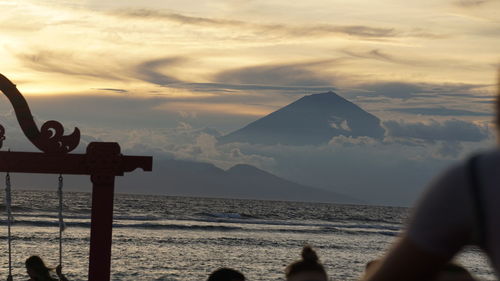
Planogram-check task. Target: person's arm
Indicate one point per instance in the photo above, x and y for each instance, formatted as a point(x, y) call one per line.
point(440, 225)
point(406, 261)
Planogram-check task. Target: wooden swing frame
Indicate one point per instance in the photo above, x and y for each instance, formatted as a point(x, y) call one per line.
point(103, 161)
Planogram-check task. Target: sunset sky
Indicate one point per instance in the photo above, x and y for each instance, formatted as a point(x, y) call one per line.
point(150, 74)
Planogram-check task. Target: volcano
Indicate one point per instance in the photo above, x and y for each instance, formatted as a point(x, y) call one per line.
point(311, 120)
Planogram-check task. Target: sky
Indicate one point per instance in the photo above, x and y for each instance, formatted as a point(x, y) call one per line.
point(166, 78)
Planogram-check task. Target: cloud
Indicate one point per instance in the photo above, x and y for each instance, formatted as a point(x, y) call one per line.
point(440, 111)
point(179, 18)
point(424, 60)
point(379, 55)
point(351, 30)
point(372, 54)
point(150, 71)
point(290, 77)
point(289, 30)
point(228, 87)
point(360, 31)
point(449, 149)
point(70, 64)
point(471, 3)
point(298, 74)
point(352, 141)
point(406, 90)
point(112, 90)
point(184, 143)
point(450, 130)
point(393, 89)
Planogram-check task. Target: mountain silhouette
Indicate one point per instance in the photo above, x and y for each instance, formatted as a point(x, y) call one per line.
point(311, 120)
point(176, 177)
point(188, 178)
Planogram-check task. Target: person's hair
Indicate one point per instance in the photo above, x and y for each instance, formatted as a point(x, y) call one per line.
point(309, 262)
point(226, 274)
point(36, 264)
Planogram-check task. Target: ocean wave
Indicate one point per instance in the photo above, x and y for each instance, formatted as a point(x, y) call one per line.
point(313, 225)
point(348, 229)
point(87, 217)
point(225, 215)
point(17, 209)
point(86, 224)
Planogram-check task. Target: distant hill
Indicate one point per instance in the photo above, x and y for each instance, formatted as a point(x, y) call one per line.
point(311, 120)
point(186, 178)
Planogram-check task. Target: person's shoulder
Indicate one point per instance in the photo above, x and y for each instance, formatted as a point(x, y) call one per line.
point(488, 157)
point(459, 171)
point(453, 175)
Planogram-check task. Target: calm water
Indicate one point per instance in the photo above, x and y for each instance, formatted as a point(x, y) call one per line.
point(177, 238)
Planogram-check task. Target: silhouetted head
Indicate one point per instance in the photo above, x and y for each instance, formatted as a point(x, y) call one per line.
point(226, 274)
point(37, 270)
point(307, 269)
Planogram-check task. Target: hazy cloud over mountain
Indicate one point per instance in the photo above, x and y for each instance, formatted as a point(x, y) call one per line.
point(440, 111)
point(449, 130)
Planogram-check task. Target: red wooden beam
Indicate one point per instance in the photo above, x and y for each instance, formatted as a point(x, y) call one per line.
point(74, 164)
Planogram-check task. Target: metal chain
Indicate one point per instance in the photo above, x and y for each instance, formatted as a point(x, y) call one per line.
point(61, 221)
point(8, 202)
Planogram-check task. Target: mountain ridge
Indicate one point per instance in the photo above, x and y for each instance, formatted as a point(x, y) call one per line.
point(242, 181)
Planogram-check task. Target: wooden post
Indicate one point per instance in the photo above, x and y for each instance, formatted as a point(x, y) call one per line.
point(101, 227)
point(105, 159)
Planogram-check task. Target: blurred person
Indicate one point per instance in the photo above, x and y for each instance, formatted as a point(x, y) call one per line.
point(307, 269)
point(38, 271)
point(459, 208)
point(226, 274)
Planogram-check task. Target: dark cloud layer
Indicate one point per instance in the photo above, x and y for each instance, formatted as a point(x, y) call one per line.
point(299, 77)
point(450, 130)
point(440, 111)
point(379, 55)
point(405, 90)
point(282, 74)
point(228, 87)
point(151, 71)
point(113, 90)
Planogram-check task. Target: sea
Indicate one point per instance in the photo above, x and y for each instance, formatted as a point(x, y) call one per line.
point(185, 238)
